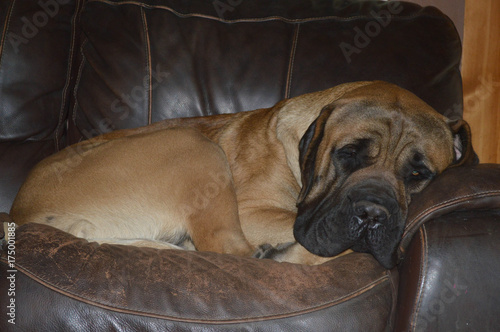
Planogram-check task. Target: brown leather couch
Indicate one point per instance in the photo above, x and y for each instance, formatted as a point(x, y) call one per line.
point(71, 69)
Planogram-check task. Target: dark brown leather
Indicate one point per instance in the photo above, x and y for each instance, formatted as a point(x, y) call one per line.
point(462, 188)
point(449, 254)
point(16, 160)
point(145, 61)
point(66, 283)
point(35, 64)
point(449, 280)
point(36, 57)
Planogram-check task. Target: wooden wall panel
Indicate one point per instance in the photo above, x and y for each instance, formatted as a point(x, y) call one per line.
point(481, 76)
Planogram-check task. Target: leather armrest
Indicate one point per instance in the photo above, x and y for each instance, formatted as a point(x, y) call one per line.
point(449, 274)
point(449, 279)
point(471, 188)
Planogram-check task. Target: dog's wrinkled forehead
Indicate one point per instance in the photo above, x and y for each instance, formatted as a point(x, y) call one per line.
point(395, 119)
point(365, 113)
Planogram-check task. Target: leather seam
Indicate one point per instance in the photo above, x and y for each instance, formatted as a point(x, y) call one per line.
point(255, 20)
point(422, 279)
point(292, 61)
point(8, 17)
point(76, 297)
point(394, 292)
point(68, 75)
point(77, 84)
point(447, 203)
point(148, 63)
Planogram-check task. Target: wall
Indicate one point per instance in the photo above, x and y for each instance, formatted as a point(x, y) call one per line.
point(481, 76)
point(478, 23)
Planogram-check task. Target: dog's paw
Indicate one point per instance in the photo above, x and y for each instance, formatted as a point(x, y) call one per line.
point(264, 251)
point(267, 251)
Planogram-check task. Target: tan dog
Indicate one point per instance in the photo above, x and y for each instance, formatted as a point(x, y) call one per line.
point(333, 170)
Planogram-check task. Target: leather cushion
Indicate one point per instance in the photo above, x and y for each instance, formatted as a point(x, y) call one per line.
point(147, 287)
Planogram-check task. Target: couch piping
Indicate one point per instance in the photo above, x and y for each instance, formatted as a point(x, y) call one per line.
point(65, 94)
point(262, 19)
point(447, 203)
point(8, 16)
point(148, 65)
point(289, 75)
point(375, 283)
point(394, 293)
point(423, 269)
point(77, 81)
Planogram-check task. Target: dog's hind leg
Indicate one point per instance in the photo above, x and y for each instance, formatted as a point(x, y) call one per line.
point(217, 228)
point(208, 203)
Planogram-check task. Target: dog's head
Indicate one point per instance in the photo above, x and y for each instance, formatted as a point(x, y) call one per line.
point(362, 159)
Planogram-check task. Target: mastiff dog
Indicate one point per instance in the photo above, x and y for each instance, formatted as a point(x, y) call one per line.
point(304, 181)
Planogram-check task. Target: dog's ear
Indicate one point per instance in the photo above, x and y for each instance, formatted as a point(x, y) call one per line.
point(308, 149)
point(462, 143)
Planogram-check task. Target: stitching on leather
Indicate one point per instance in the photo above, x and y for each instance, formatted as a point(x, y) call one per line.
point(68, 73)
point(291, 61)
point(77, 83)
point(78, 297)
point(447, 203)
point(394, 293)
point(8, 17)
point(421, 281)
point(148, 64)
point(263, 19)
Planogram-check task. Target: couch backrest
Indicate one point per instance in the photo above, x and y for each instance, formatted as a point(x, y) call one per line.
point(72, 69)
point(137, 62)
point(144, 61)
point(35, 53)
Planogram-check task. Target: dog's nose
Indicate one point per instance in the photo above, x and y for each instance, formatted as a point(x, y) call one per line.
point(370, 214)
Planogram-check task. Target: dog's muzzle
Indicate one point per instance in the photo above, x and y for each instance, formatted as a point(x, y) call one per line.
point(367, 219)
point(375, 221)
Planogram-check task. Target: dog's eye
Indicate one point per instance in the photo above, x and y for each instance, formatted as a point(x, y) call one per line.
point(419, 174)
point(357, 149)
point(416, 171)
point(348, 151)
point(354, 156)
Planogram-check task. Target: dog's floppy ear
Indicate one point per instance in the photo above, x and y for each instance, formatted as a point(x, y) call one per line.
point(308, 149)
point(462, 143)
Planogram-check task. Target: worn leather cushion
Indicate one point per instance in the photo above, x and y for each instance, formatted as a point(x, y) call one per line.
point(144, 61)
point(69, 282)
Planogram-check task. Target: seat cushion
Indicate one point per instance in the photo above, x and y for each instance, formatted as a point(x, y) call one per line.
point(68, 283)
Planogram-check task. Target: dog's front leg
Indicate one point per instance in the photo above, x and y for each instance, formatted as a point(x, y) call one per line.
point(291, 252)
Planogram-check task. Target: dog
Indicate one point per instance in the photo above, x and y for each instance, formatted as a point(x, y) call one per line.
point(304, 181)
